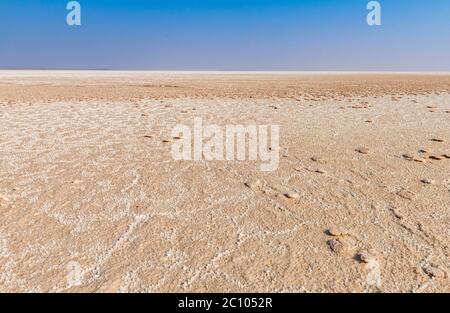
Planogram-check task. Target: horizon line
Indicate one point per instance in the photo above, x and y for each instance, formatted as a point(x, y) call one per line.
point(225, 71)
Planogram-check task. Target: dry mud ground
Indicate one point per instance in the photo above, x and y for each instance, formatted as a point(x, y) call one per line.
point(92, 201)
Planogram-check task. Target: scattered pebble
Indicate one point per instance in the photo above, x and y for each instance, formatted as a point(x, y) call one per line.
point(336, 232)
point(253, 184)
point(407, 157)
point(436, 157)
point(321, 171)
point(366, 257)
point(434, 272)
point(406, 194)
point(428, 181)
point(319, 160)
point(292, 195)
point(424, 150)
point(337, 245)
point(420, 160)
point(396, 213)
point(437, 140)
point(363, 150)
point(3, 199)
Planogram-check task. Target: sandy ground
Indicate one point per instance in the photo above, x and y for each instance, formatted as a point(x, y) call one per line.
point(91, 199)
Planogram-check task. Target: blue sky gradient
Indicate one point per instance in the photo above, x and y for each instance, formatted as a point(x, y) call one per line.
point(226, 35)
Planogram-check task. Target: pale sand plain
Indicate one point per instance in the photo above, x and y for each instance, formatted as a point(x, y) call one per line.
point(92, 200)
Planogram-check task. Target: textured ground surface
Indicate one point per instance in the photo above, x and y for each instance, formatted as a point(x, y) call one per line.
point(91, 199)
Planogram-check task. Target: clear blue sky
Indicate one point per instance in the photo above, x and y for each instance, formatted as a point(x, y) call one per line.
point(226, 35)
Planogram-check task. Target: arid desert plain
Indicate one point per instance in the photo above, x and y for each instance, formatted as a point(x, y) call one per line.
point(91, 199)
